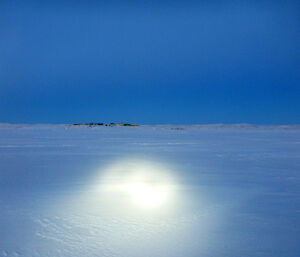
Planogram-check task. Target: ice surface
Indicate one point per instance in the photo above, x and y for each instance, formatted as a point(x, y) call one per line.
point(234, 191)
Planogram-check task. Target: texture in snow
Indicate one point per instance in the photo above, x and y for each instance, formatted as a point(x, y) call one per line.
point(232, 191)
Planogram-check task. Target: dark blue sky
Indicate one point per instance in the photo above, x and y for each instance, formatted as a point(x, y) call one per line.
point(150, 61)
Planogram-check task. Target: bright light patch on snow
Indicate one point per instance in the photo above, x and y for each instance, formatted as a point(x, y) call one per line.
point(147, 195)
point(144, 183)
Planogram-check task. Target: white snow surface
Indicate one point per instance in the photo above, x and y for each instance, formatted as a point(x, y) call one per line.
point(233, 191)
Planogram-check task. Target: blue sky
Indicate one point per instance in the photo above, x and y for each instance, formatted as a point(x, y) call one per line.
point(150, 61)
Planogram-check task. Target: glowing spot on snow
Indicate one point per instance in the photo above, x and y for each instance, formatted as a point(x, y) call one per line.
point(147, 195)
point(144, 183)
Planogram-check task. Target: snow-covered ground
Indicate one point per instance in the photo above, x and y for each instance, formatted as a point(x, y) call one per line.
point(149, 191)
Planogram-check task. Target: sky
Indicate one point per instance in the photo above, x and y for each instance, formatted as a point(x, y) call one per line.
point(150, 62)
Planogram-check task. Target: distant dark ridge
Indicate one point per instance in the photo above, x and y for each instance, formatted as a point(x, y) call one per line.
point(111, 124)
point(163, 126)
